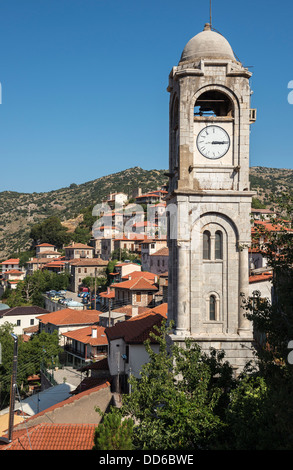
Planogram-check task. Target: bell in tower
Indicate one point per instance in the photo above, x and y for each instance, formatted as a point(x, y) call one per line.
point(209, 200)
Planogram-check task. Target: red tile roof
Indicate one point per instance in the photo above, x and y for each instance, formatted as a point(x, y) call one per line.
point(69, 316)
point(137, 274)
point(84, 335)
point(139, 283)
point(88, 262)
point(162, 252)
point(260, 277)
point(11, 261)
point(49, 436)
point(45, 244)
point(14, 271)
point(79, 246)
point(127, 310)
point(107, 295)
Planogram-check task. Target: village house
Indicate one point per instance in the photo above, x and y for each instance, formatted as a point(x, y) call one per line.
point(11, 263)
point(159, 261)
point(106, 298)
point(85, 344)
point(46, 250)
point(78, 251)
point(152, 197)
point(122, 313)
point(137, 291)
point(116, 199)
point(66, 320)
point(11, 278)
point(127, 352)
point(22, 317)
point(55, 265)
point(82, 268)
point(148, 247)
point(123, 269)
point(262, 214)
point(261, 283)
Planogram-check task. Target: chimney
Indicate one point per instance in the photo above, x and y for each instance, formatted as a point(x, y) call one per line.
point(94, 332)
point(134, 310)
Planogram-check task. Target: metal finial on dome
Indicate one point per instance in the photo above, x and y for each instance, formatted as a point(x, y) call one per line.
point(207, 27)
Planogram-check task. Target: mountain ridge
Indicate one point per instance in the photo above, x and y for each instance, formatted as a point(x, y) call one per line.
point(20, 211)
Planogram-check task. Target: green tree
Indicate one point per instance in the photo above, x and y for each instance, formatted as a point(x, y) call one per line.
point(114, 433)
point(50, 231)
point(30, 290)
point(40, 349)
point(89, 282)
point(260, 415)
point(177, 397)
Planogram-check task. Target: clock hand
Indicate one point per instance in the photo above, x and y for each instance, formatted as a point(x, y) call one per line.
point(216, 142)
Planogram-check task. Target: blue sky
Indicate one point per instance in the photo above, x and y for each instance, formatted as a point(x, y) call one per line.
point(84, 83)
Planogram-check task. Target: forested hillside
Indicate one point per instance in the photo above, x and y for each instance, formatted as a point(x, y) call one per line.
point(20, 211)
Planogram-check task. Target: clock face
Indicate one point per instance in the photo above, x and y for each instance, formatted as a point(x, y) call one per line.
point(213, 142)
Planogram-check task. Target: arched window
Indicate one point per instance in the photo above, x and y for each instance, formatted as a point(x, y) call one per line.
point(219, 245)
point(206, 252)
point(213, 103)
point(212, 307)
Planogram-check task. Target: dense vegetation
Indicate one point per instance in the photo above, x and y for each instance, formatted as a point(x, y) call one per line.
point(42, 349)
point(20, 212)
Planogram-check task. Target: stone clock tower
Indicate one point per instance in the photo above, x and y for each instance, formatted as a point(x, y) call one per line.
point(209, 201)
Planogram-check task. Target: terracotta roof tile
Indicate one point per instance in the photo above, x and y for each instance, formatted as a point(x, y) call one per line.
point(69, 316)
point(260, 277)
point(49, 436)
point(79, 246)
point(11, 261)
point(45, 244)
point(162, 252)
point(136, 284)
point(84, 335)
point(88, 262)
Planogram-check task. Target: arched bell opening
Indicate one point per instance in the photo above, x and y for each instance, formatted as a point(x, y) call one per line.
point(214, 103)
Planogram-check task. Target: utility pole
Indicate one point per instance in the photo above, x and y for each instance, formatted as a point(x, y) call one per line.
point(95, 288)
point(12, 392)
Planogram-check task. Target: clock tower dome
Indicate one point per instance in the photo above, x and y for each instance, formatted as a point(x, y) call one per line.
point(209, 200)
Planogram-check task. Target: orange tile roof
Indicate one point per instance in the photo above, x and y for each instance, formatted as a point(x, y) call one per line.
point(269, 226)
point(55, 264)
point(11, 261)
point(51, 436)
point(69, 316)
point(88, 262)
point(139, 283)
point(260, 277)
point(161, 252)
point(107, 295)
point(45, 244)
point(137, 274)
point(162, 309)
point(79, 246)
point(127, 310)
point(14, 271)
point(84, 335)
